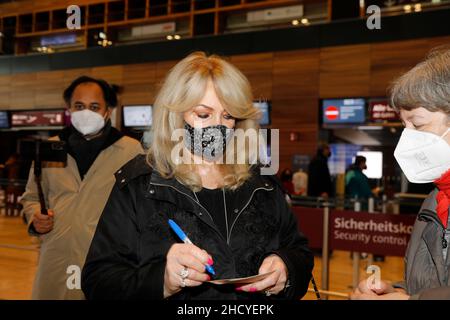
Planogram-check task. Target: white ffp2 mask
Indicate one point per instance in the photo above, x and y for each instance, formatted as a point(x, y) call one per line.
point(87, 122)
point(423, 156)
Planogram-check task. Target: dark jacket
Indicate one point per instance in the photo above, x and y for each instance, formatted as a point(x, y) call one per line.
point(426, 270)
point(127, 255)
point(319, 178)
point(357, 184)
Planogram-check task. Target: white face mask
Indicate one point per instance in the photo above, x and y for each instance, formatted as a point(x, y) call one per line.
point(87, 122)
point(423, 156)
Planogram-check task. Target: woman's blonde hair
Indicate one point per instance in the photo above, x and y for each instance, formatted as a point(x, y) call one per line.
point(426, 85)
point(183, 88)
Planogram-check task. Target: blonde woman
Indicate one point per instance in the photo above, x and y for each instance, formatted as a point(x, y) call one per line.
point(237, 220)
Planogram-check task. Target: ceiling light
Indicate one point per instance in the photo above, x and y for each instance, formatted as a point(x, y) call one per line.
point(169, 37)
point(177, 37)
point(295, 22)
point(305, 21)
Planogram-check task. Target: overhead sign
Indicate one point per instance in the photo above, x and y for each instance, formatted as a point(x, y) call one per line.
point(60, 39)
point(332, 113)
point(380, 110)
point(343, 111)
point(37, 118)
point(4, 121)
point(153, 29)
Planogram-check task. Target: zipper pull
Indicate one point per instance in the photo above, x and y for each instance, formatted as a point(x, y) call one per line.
point(444, 241)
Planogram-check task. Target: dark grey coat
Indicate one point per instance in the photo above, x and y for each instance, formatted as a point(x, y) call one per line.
point(426, 272)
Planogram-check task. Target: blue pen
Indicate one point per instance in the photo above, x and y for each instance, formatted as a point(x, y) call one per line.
point(185, 239)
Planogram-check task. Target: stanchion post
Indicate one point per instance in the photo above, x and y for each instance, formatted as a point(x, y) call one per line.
point(396, 206)
point(384, 204)
point(371, 205)
point(356, 255)
point(371, 209)
point(325, 251)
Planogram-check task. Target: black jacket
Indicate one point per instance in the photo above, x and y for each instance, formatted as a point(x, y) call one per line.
point(319, 178)
point(126, 259)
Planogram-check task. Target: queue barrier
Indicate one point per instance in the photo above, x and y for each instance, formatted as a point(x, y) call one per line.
point(11, 192)
point(354, 231)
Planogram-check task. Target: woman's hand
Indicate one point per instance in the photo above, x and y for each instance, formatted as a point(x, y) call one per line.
point(185, 267)
point(274, 283)
point(367, 290)
point(43, 223)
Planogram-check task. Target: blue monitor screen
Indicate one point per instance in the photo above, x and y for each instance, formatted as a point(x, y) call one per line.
point(343, 111)
point(264, 107)
point(4, 121)
point(342, 156)
point(60, 39)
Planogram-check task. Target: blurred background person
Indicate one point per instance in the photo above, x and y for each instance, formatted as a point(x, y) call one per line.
point(286, 180)
point(319, 178)
point(15, 172)
point(356, 182)
point(76, 194)
point(300, 182)
point(358, 188)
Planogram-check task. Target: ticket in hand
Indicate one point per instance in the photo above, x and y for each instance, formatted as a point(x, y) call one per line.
point(243, 281)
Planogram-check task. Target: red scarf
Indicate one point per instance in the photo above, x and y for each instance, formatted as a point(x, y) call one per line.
point(443, 197)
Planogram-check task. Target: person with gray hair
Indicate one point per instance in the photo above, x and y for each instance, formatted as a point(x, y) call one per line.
point(422, 98)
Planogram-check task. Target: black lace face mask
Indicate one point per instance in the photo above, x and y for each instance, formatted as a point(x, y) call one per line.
point(209, 142)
